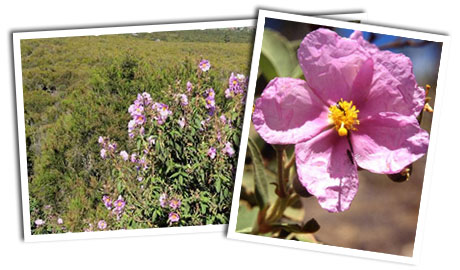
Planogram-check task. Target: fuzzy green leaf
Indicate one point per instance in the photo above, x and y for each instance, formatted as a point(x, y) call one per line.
point(260, 179)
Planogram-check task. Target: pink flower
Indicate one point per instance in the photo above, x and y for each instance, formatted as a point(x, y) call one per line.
point(119, 204)
point(146, 98)
point(189, 86)
point(112, 146)
point(204, 65)
point(151, 140)
point(39, 222)
point(183, 99)
point(229, 149)
point(223, 119)
point(102, 224)
point(124, 155)
point(163, 112)
point(60, 221)
point(133, 158)
point(163, 199)
point(181, 122)
point(233, 82)
point(357, 107)
point(173, 217)
point(228, 93)
point(174, 203)
point(212, 152)
point(107, 201)
point(103, 153)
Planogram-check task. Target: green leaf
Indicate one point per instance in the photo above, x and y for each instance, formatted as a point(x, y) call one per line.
point(310, 227)
point(218, 183)
point(203, 208)
point(266, 68)
point(246, 218)
point(245, 230)
point(297, 73)
point(260, 179)
point(236, 139)
point(295, 44)
point(278, 57)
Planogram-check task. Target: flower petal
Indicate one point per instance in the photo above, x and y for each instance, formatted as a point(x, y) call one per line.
point(326, 169)
point(362, 82)
point(330, 64)
point(388, 142)
point(288, 112)
point(394, 88)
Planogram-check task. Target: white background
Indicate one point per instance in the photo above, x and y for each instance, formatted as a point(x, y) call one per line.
point(213, 250)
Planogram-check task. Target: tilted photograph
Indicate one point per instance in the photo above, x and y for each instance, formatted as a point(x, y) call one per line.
point(133, 130)
point(337, 142)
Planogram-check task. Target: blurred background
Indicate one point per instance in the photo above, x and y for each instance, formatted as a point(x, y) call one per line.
point(383, 216)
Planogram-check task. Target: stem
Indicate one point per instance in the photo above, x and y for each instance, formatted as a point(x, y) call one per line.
point(292, 199)
point(290, 162)
point(281, 182)
point(273, 210)
point(278, 210)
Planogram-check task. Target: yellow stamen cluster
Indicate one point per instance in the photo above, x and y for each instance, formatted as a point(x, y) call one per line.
point(344, 117)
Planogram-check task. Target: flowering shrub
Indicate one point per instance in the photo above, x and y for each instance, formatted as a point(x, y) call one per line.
point(358, 108)
point(78, 88)
point(178, 166)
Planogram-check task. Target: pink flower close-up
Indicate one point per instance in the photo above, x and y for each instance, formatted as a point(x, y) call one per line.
point(102, 224)
point(356, 108)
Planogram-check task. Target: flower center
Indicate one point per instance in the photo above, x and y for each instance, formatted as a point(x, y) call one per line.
point(344, 117)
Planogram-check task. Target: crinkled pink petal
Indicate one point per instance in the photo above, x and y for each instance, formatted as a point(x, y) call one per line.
point(327, 171)
point(394, 88)
point(330, 64)
point(388, 142)
point(362, 82)
point(288, 112)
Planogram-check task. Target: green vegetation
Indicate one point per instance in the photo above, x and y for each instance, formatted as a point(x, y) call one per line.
point(234, 35)
point(79, 88)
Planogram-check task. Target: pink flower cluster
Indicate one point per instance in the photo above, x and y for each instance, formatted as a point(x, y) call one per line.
point(162, 112)
point(210, 101)
point(116, 206)
point(108, 147)
point(183, 99)
point(173, 203)
point(228, 150)
point(142, 107)
point(237, 84)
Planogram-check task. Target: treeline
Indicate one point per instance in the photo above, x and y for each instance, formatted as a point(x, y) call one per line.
point(233, 35)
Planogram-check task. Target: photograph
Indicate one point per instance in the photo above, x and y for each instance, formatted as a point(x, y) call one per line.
point(134, 130)
point(335, 151)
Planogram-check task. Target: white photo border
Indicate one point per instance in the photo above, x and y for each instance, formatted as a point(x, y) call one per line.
point(440, 91)
point(17, 37)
